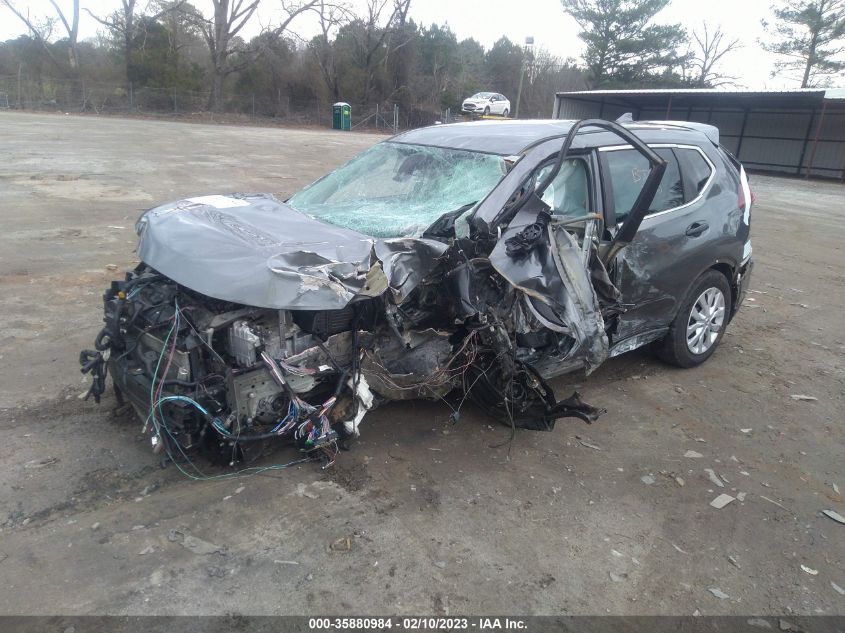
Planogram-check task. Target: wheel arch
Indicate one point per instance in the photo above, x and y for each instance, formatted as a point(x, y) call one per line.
point(729, 272)
point(675, 351)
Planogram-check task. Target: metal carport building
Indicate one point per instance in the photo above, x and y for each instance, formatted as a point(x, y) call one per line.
point(799, 132)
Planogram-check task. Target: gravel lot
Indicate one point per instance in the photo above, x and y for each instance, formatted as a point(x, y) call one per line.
point(611, 518)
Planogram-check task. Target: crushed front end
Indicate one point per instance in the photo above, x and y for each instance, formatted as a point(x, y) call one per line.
point(231, 381)
point(227, 378)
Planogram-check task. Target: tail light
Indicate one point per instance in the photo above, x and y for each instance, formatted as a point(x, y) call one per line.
point(741, 197)
point(745, 197)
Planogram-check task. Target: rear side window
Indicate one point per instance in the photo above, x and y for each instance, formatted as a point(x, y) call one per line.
point(627, 171)
point(697, 171)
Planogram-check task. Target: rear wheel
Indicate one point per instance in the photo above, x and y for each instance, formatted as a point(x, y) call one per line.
point(505, 113)
point(700, 324)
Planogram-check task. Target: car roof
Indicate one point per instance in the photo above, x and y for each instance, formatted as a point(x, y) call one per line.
point(511, 137)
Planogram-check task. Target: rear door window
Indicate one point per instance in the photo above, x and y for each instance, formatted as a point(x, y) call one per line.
point(696, 169)
point(626, 171)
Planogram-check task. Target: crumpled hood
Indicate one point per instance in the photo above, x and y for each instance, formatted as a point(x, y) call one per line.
point(255, 250)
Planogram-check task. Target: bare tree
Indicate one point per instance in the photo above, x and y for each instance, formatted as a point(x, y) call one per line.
point(123, 25)
point(710, 47)
point(396, 36)
point(547, 75)
point(42, 31)
point(374, 35)
point(228, 55)
point(332, 17)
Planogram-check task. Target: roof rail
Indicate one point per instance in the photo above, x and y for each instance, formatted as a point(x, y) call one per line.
point(710, 131)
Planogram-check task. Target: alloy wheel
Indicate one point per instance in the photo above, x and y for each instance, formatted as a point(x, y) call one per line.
point(706, 319)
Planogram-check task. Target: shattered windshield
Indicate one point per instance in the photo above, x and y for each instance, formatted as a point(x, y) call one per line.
point(399, 190)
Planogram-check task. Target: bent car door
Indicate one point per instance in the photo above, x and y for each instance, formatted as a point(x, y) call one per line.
point(555, 264)
point(674, 244)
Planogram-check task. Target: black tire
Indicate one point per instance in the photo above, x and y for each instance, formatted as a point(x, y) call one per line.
point(486, 111)
point(505, 113)
point(675, 348)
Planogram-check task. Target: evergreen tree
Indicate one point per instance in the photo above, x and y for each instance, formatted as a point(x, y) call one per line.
point(623, 46)
point(809, 35)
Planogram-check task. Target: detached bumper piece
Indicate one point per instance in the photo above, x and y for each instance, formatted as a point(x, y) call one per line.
point(522, 399)
point(94, 363)
point(574, 407)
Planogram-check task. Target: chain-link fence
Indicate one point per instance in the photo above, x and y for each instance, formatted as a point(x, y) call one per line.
point(25, 93)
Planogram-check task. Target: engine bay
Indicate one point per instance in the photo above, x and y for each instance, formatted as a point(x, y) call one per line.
point(229, 381)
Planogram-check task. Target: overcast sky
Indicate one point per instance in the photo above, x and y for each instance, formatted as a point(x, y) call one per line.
point(487, 21)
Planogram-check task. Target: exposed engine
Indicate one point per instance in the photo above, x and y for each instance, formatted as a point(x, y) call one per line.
point(222, 376)
point(229, 379)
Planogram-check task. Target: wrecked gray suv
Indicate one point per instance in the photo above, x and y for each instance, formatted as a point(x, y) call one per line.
point(481, 258)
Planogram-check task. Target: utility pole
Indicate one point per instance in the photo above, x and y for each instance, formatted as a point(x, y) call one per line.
point(526, 55)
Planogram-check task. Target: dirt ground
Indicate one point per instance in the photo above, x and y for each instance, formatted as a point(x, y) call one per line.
point(422, 516)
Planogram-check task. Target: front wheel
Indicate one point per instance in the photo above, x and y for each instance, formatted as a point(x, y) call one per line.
point(486, 110)
point(505, 113)
point(700, 324)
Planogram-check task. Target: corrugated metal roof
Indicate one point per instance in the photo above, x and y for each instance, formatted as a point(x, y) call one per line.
point(828, 93)
point(767, 129)
point(743, 99)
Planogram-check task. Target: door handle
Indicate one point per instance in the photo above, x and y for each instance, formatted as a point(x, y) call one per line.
point(697, 228)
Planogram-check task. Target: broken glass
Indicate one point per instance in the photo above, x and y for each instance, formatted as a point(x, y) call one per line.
point(399, 190)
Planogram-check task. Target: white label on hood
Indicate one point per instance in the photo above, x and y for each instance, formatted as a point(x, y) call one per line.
point(219, 202)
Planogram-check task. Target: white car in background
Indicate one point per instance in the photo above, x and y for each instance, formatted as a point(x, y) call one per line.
point(486, 103)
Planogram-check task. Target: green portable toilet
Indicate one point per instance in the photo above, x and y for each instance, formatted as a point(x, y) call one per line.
point(341, 116)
